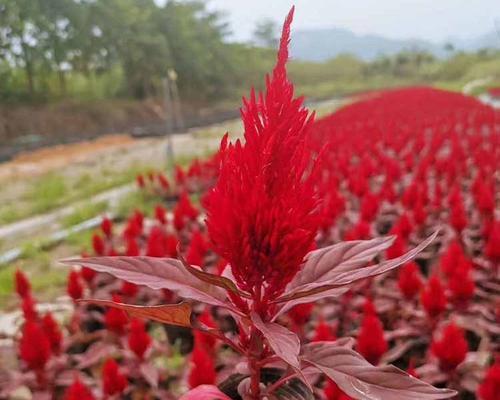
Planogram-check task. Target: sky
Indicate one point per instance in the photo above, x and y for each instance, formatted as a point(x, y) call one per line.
point(433, 20)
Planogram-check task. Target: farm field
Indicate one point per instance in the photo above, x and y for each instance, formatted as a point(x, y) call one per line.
point(352, 254)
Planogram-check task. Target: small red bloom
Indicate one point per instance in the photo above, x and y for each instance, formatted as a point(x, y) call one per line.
point(371, 342)
point(98, 245)
point(155, 246)
point(451, 349)
point(202, 367)
point(333, 392)
point(490, 387)
point(53, 332)
point(113, 381)
point(132, 249)
point(492, 249)
point(323, 332)
point(409, 280)
point(139, 340)
point(74, 286)
point(22, 284)
point(115, 319)
point(88, 274)
point(161, 214)
point(78, 391)
point(140, 181)
point(129, 289)
point(107, 227)
point(29, 308)
point(34, 346)
point(433, 297)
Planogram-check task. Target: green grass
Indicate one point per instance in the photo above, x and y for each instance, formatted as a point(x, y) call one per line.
point(83, 213)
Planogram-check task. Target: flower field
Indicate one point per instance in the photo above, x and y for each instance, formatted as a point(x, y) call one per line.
point(354, 256)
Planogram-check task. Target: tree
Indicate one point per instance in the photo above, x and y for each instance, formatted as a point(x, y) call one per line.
point(266, 33)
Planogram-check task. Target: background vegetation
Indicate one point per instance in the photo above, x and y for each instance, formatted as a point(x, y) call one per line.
point(83, 50)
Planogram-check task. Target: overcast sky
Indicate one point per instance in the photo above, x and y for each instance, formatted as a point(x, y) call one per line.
point(435, 20)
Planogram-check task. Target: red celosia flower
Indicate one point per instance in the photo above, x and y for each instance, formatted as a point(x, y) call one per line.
point(139, 340)
point(129, 289)
point(397, 249)
point(78, 391)
point(371, 342)
point(461, 285)
point(490, 387)
point(180, 176)
point(452, 258)
point(140, 181)
point(409, 280)
point(451, 349)
point(403, 227)
point(132, 248)
point(115, 319)
point(492, 249)
point(301, 313)
point(29, 308)
point(74, 285)
point(98, 245)
point(433, 297)
point(155, 246)
point(113, 381)
point(88, 274)
point(261, 214)
point(323, 332)
point(184, 211)
point(22, 284)
point(197, 249)
point(53, 332)
point(34, 346)
point(333, 392)
point(171, 243)
point(458, 217)
point(161, 214)
point(203, 340)
point(202, 367)
point(163, 181)
point(107, 227)
point(134, 225)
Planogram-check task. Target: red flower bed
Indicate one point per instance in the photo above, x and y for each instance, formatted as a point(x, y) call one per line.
point(292, 250)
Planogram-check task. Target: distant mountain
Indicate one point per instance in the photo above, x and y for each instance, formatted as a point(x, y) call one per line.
point(322, 44)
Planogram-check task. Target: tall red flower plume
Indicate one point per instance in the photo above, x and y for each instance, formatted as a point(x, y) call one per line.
point(155, 246)
point(88, 274)
point(78, 391)
point(113, 381)
point(132, 248)
point(202, 367)
point(371, 342)
point(184, 211)
point(461, 285)
point(333, 392)
point(161, 214)
point(115, 319)
point(261, 214)
point(34, 346)
point(490, 387)
point(53, 332)
point(451, 348)
point(98, 245)
point(492, 249)
point(29, 308)
point(140, 181)
point(74, 286)
point(107, 227)
point(139, 340)
point(409, 280)
point(22, 284)
point(202, 339)
point(433, 297)
point(323, 332)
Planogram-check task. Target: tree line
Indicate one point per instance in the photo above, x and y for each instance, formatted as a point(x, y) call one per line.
point(52, 48)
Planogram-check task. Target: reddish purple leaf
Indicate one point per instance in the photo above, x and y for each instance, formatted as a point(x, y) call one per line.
point(363, 381)
point(339, 265)
point(171, 314)
point(284, 343)
point(205, 392)
point(157, 273)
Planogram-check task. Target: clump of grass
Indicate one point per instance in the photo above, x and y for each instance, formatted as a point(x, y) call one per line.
point(47, 192)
